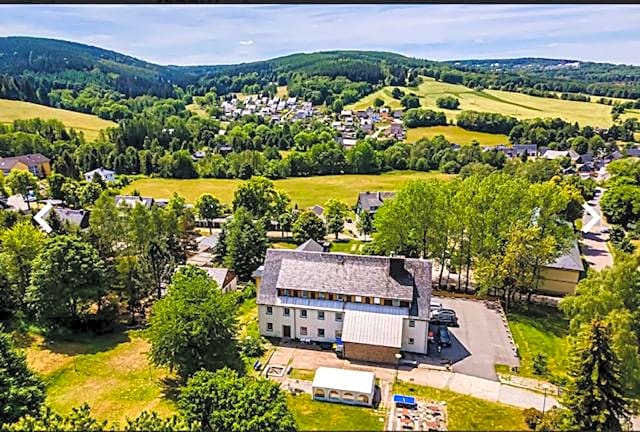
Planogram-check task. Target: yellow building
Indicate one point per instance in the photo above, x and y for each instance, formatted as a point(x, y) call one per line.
point(562, 276)
point(39, 165)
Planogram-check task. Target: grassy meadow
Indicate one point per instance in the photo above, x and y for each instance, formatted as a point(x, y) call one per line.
point(110, 372)
point(466, 412)
point(456, 135)
point(90, 125)
point(312, 415)
point(537, 330)
point(515, 104)
point(304, 191)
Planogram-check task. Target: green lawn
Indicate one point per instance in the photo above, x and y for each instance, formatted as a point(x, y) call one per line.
point(90, 125)
point(111, 373)
point(540, 329)
point(304, 191)
point(313, 415)
point(468, 413)
point(456, 135)
point(302, 374)
point(515, 104)
point(351, 246)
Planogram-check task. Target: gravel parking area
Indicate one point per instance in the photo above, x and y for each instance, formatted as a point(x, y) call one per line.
point(479, 343)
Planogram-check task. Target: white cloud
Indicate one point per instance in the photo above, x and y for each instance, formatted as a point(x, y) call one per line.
point(246, 42)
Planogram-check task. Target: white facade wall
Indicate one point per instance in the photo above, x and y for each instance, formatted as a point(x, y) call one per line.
point(418, 333)
point(295, 321)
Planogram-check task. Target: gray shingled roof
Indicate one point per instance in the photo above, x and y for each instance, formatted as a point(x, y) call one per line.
point(310, 246)
point(131, 200)
point(75, 217)
point(369, 200)
point(372, 276)
point(571, 260)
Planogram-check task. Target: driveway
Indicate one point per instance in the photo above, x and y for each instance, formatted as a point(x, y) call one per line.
point(594, 242)
point(480, 342)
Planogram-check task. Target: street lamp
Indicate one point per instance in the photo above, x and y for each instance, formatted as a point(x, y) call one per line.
point(398, 357)
point(545, 387)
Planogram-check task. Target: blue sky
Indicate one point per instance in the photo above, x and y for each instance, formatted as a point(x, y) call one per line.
point(194, 34)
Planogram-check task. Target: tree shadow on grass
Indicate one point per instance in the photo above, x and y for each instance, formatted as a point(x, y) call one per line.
point(544, 318)
point(84, 343)
point(171, 388)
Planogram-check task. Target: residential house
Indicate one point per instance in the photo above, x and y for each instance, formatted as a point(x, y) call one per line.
point(74, 217)
point(312, 246)
point(557, 154)
point(376, 306)
point(36, 163)
point(318, 210)
point(561, 276)
point(371, 201)
point(226, 279)
point(531, 150)
point(396, 130)
point(132, 200)
point(106, 175)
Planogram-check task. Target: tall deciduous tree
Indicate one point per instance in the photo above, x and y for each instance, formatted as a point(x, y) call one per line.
point(365, 223)
point(19, 246)
point(595, 394)
point(307, 226)
point(193, 326)
point(245, 243)
point(209, 207)
point(22, 392)
point(335, 213)
point(68, 276)
point(22, 182)
point(224, 401)
point(106, 226)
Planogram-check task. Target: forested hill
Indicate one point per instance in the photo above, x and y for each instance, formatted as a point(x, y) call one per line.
point(56, 73)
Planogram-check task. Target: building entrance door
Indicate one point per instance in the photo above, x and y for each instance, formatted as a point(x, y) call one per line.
point(286, 331)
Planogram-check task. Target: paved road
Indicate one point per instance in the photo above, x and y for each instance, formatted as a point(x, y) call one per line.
point(480, 342)
point(595, 248)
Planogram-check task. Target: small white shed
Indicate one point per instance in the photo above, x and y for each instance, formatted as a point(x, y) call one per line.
point(344, 386)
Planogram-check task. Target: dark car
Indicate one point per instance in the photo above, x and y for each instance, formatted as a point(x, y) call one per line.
point(445, 317)
point(444, 338)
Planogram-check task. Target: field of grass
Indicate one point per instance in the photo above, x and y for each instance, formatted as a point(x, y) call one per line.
point(515, 104)
point(194, 107)
point(302, 374)
point(282, 92)
point(90, 125)
point(312, 415)
point(468, 413)
point(456, 135)
point(111, 373)
point(305, 191)
point(540, 330)
point(351, 246)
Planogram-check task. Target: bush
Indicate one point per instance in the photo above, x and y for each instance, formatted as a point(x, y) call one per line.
point(448, 102)
point(540, 364)
point(252, 346)
point(249, 291)
point(532, 417)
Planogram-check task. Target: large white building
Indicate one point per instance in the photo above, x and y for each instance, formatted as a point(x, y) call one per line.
point(378, 306)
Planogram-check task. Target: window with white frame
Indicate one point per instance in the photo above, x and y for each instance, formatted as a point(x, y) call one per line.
point(303, 331)
point(269, 310)
point(358, 299)
point(339, 297)
point(320, 332)
point(303, 313)
point(411, 341)
point(412, 323)
point(395, 303)
point(286, 312)
point(339, 316)
point(320, 315)
point(338, 334)
point(322, 296)
point(303, 294)
point(269, 326)
point(376, 300)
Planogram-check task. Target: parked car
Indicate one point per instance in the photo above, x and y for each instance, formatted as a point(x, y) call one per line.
point(435, 306)
point(444, 338)
point(446, 317)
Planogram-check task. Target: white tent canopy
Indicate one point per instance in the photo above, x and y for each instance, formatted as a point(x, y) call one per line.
point(343, 385)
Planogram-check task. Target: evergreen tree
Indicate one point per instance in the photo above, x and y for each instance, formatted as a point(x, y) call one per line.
point(595, 393)
point(21, 391)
